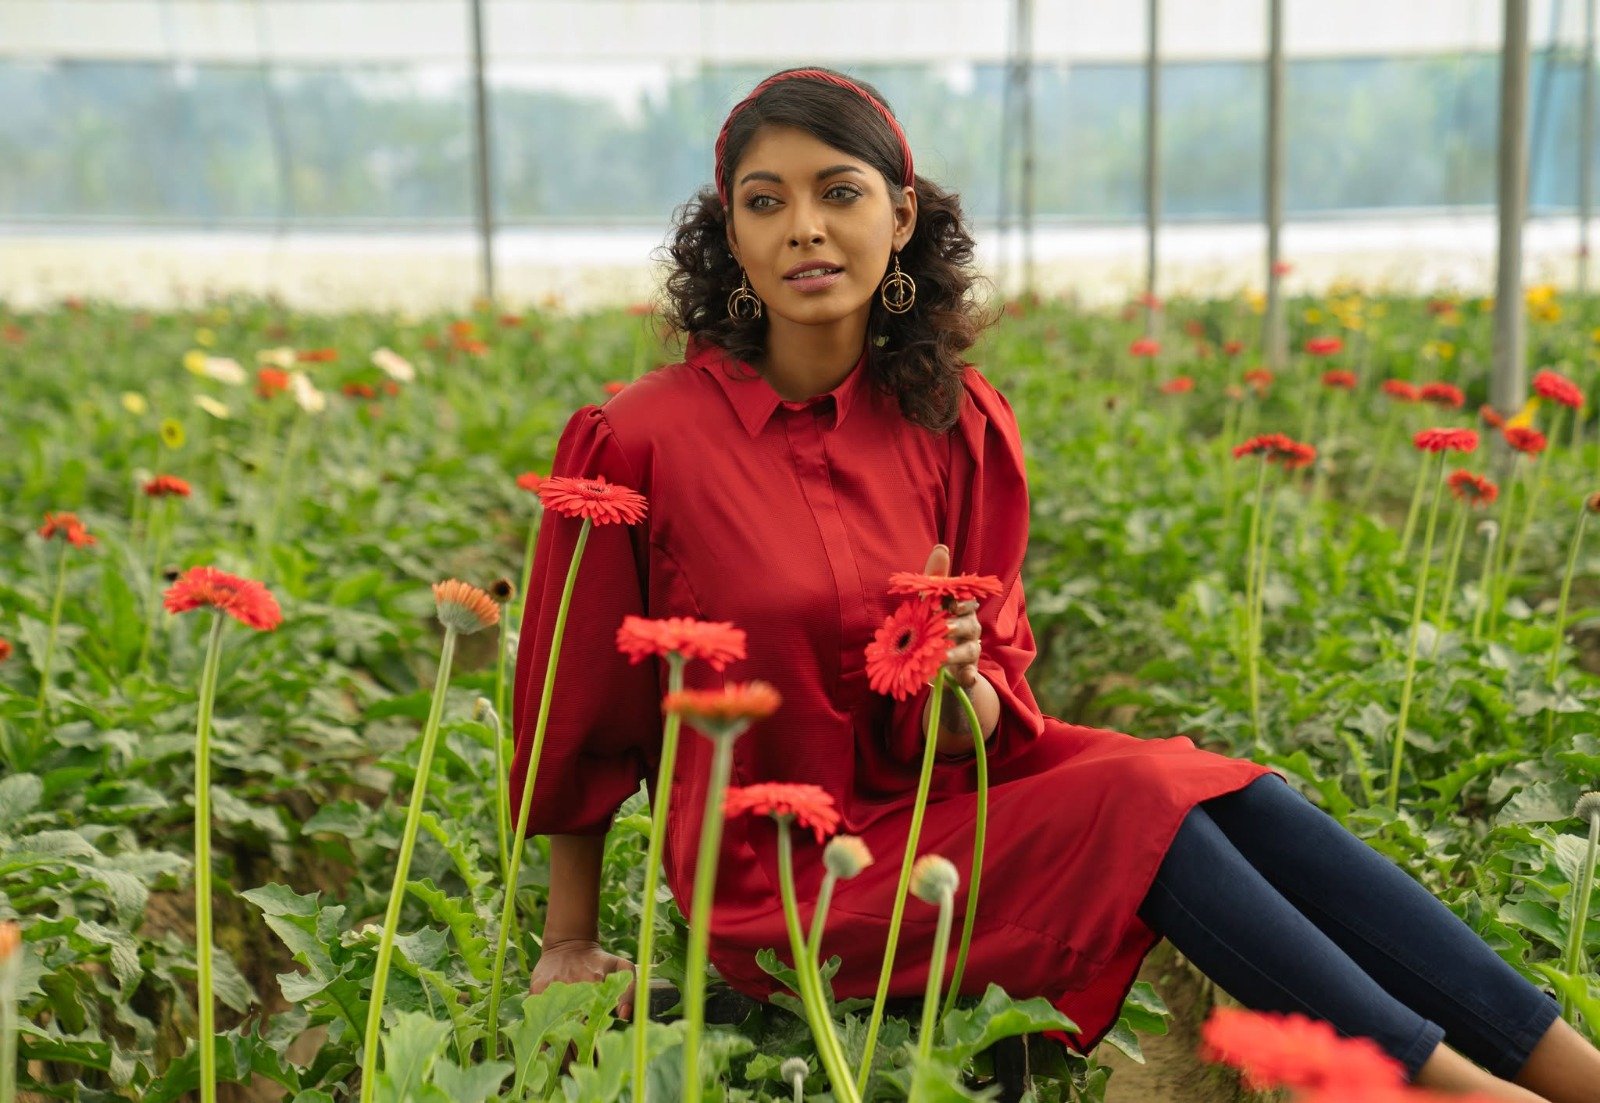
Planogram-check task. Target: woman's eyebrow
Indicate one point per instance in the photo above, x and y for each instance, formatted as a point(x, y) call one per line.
point(822, 175)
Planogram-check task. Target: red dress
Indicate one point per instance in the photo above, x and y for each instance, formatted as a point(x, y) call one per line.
point(787, 518)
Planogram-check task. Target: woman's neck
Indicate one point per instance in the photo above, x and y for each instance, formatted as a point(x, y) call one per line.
point(804, 360)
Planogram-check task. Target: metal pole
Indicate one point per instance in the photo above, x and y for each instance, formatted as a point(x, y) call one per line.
point(1007, 99)
point(1025, 44)
point(1275, 332)
point(485, 190)
point(1586, 148)
point(1152, 164)
point(1506, 384)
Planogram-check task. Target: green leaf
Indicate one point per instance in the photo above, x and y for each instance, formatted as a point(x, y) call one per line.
point(968, 1032)
point(410, 1047)
point(474, 1084)
point(19, 795)
point(463, 924)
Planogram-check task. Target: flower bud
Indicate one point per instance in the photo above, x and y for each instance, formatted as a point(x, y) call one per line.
point(1488, 528)
point(483, 712)
point(934, 879)
point(1592, 502)
point(792, 1068)
point(10, 942)
point(845, 856)
point(503, 590)
point(1588, 808)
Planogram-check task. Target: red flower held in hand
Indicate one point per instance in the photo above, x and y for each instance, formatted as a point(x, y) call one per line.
point(908, 649)
point(1475, 490)
point(163, 486)
point(715, 642)
point(1400, 389)
point(1446, 440)
point(808, 805)
point(1442, 394)
point(593, 499)
point(1181, 384)
point(1491, 417)
point(1296, 1052)
point(1525, 439)
point(243, 599)
point(1557, 387)
point(1324, 346)
point(1277, 448)
point(1339, 379)
point(956, 587)
point(70, 528)
point(726, 711)
point(1144, 346)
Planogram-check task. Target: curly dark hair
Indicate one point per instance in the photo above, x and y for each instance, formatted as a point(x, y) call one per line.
point(919, 352)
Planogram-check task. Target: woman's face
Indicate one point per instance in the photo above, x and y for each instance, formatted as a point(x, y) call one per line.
point(795, 200)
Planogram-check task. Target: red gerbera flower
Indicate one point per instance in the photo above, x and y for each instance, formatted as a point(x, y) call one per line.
point(593, 499)
point(70, 528)
point(808, 805)
point(1525, 439)
point(727, 711)
point(1339, 379)
point(317, 356)
point(164, 485)
point(958, 587)
point(358, 390)
point(1324, 346)
point(243, 599)
point(1181, 384)
point(1442, 394)
point(1491, 417)
point(1296, 1052)
point(908, 649)
point(1446, 440)
point(1399, 388)
point(1232, 348)
point(271, 381)
point(5, 650)
point(1194, 327)
point(529, 480)
point(1476, 490)
point(1277, 448)
point(1282, 268)
point(1553, 385)
point(1144, 346)
point(715, 642)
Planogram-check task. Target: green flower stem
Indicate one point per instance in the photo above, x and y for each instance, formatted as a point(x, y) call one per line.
point(1230, 424)
point(207, 1040)
point(1566, 593)
point(8, 1028)
point(502, 766)
point(829, 1050)
point(508, 911)
point(1458, 535)
point(162, 530)
point(929, 747)
point(1582, 901)
point(980, 831)
point(930, 998)
point(1410, 529)
point(1534, 498)
point(280, 494)
point(397, 894)
point(1485, 581)
point(819, 915)
point(1379, 455)
point(1411, 642)
point(527, 568)
point(705, 882)
point(1501, 546)
point(1252, 629)
point(652, 877)
point(50, 641)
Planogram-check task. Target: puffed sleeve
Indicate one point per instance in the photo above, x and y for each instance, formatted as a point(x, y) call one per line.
point(989, 502)
point(605, 718)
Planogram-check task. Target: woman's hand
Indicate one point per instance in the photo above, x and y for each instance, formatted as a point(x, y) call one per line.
point(576, 961)
point(961, 664)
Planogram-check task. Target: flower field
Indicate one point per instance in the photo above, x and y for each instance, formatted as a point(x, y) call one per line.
point(286, 553)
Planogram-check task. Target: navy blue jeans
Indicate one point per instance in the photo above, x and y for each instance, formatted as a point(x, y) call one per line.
point(1286, 910)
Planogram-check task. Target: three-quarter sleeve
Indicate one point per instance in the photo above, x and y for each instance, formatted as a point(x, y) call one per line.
point(604, 727)
point(989, 502)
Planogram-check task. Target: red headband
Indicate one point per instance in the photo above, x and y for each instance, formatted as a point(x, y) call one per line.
point(827, 78)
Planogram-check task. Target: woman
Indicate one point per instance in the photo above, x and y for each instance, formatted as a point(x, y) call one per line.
point(822, 433)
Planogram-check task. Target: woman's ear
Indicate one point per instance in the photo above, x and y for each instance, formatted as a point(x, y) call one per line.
point(905, 218)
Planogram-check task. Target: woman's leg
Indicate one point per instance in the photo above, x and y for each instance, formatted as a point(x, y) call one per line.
point(1395, 930)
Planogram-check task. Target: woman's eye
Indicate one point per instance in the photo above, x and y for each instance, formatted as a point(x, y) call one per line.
point(847, 189)
point(847, 192)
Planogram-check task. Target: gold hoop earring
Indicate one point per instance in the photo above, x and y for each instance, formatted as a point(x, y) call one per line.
point(743, 303)
point(898, 292)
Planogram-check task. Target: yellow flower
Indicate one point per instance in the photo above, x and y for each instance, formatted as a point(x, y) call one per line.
point(205, 338)
point(1541, 294)
point(220, 315)
point(1257, 301)
point(1524, 417)
point(1313, 316)
point(1594, 335)
point(1546, 312)
point(194, 361)
point(171, 431)
point(1378, 310)
point(134, 403)
point(212, 406)
point(1447, 350)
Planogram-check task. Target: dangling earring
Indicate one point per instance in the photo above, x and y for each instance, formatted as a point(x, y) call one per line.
point(898, 291)
point(743, 304)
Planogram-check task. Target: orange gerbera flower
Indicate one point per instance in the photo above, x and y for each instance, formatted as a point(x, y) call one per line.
point(593, 499)
point(1491, 417)
point(245, 600)
point(725, 712)
point(1525, 439)
point(1144, 346)
point(1557, 387)
point(1446, 440)
point(317, 356)
point(163, 486)
point(1324, 346)
point(271, 381)
point(1339, 379)
point(1475, 490)
point(1296, 1052)
point(908, 649)
point(1399, 388)
point(808, 805)
point(957, 587)
point(1181, 384)
point(529, 480)
point(717, 643)
point(1260, 379)
point(464, 607)
point(70, 528)
point(1442, 394)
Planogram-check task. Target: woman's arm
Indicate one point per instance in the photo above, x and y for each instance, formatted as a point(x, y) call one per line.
point(573, 911)
point(955, 736)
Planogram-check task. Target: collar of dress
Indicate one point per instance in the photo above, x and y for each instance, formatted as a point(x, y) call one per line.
point(752, 396)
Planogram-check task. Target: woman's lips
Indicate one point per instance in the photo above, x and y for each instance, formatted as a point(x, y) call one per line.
point(814, 283)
